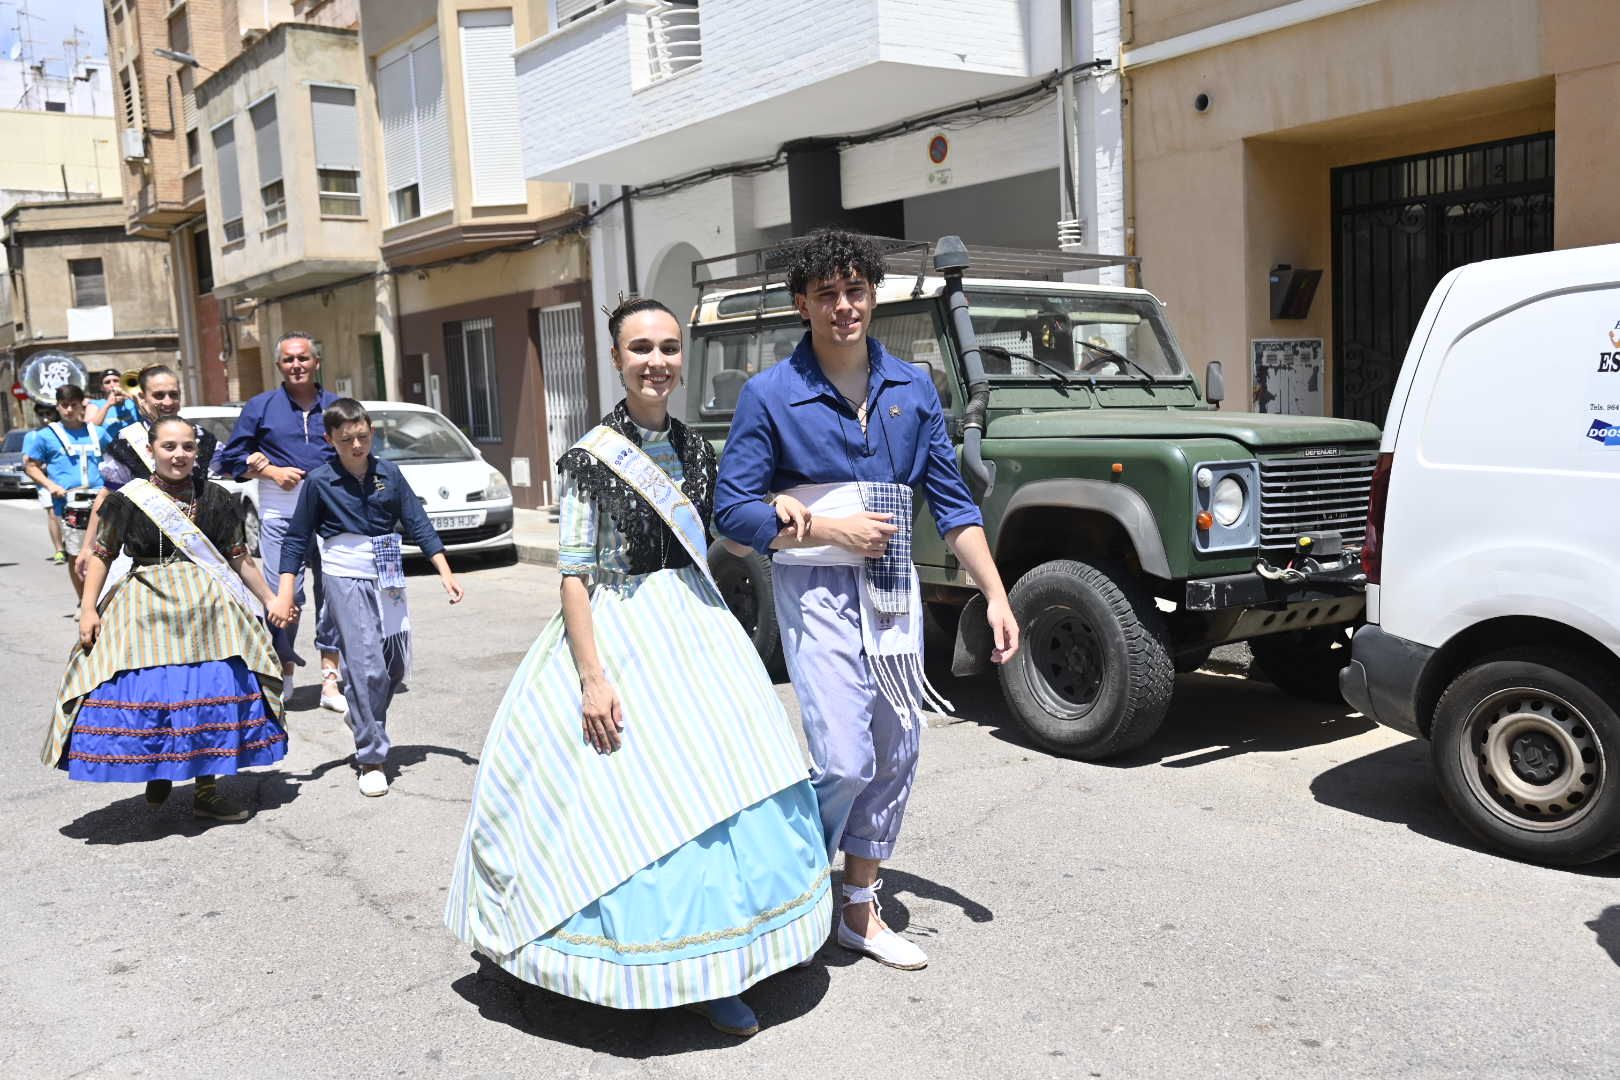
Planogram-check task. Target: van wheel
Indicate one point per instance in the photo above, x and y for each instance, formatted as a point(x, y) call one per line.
point(745, 585)
point(1304, 663)
point(250, 527)
point(1093, 675)
point(1527, 755)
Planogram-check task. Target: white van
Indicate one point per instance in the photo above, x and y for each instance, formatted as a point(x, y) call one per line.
point(1493, 553)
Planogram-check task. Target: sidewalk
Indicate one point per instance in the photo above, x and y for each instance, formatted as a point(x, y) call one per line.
point(535, 533)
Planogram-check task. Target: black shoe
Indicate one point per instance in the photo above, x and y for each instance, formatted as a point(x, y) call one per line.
point(157, 791)
point(209, 803)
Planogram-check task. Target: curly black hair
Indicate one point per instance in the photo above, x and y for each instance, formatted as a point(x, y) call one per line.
point(827, 253)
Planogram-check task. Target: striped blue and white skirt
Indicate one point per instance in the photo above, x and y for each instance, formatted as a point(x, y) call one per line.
point(684, 867)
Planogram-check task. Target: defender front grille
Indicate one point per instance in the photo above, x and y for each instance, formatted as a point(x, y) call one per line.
point(1301, 495)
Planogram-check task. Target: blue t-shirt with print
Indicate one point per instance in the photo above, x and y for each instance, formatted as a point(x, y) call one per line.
point(61, 463)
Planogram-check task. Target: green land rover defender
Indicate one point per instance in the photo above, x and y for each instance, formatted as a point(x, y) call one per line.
point(1136, 525)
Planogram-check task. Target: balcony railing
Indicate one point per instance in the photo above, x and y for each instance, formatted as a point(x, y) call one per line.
point(674, 40)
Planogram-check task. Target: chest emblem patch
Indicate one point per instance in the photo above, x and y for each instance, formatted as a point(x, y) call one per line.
point(894, 410)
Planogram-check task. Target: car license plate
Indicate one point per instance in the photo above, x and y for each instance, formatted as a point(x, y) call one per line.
point(443, 522)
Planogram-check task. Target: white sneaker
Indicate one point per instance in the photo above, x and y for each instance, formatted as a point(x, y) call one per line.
point(373, 783)
point(332, 698)
point(888, 947)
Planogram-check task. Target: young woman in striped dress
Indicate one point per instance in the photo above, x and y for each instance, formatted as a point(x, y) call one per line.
point(643, 833)
point(174, 677)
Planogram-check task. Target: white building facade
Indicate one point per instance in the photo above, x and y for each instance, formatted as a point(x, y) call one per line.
point(909, 118)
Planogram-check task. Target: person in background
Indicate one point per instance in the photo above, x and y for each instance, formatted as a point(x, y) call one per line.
point(114, 408)
point(64, 458)
point(44, 415)
point(129, 456)
point(354, 505)
point(278, 439)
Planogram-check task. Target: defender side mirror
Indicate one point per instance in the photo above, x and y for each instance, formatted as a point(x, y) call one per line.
point(1214, 383)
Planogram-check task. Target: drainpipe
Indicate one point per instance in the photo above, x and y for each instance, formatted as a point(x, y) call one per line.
point(1071, 224)
point(629, 242)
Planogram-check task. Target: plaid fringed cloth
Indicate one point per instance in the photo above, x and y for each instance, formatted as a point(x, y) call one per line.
point(891, 599)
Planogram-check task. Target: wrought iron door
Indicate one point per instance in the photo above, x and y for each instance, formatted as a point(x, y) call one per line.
point(1401, 225)
point(564, 370)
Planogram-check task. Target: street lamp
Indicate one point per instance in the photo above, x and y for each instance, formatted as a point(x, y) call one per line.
point(182, 58)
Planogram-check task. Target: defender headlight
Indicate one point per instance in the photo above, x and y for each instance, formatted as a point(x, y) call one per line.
point(1227, 502)
point(497, 487)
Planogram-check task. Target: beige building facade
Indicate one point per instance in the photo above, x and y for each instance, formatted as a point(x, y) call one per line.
point(491, 274)
point(1380, 142)
point(80, 285)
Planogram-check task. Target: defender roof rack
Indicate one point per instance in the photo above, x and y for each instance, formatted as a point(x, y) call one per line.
point(902, 258)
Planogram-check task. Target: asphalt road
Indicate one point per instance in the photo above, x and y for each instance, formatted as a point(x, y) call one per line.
point(1269, 889)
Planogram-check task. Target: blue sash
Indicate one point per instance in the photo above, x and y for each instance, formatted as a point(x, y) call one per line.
point(631, 464)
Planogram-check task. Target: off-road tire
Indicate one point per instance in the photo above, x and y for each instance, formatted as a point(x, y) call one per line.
point(1304, 663)
point(1561, 700)
point(1093, 675)
point(745, 584)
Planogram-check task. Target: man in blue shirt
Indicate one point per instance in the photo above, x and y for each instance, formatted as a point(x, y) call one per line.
point(66, 456)
point(841, 420)
point(277, 440)
point(354, 506)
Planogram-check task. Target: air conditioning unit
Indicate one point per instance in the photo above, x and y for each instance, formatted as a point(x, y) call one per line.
point(133, 141)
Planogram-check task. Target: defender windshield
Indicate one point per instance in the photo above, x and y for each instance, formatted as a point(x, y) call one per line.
point(1026, 334)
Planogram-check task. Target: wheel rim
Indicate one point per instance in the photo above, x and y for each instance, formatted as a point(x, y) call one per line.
point(1532, 758)
point(1066, 662)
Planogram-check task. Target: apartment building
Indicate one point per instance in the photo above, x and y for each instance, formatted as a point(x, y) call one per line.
point(61, 144)
point(911, 118)
point(490, 269)
point(1368, 147)
point(79, 284)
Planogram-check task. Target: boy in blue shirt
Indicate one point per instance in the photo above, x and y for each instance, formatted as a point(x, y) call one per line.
point(63, 458)
point(354, 506)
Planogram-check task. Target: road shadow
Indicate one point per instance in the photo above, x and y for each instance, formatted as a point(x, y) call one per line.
point(132, 821)
point(400, 758)
point(1397, 785)
point(1211, 718)
point(637, 1034)
point(897, 884)
point(1607, 928)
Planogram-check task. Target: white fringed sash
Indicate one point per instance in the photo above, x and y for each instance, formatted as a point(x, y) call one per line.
point(893, 642)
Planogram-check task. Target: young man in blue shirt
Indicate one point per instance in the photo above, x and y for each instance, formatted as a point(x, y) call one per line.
point(354, 506)
point(277, 440)
point(114, 410)
point(66, 456)
point(844, 424)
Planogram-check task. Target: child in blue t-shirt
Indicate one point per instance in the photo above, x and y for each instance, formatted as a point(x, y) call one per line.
point(64, 458)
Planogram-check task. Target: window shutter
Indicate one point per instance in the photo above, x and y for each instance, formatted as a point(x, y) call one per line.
point(337, 134)
point(433, 128)
point(266, 140)
point(396, 103)
point(569, 10)
point(230, 181)
point(492, 115)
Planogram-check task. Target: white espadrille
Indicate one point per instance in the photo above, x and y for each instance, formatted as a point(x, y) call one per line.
point(888, 947)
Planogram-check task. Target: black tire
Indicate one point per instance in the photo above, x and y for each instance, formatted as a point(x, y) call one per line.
point(1092, 676)
point(250, 527)
point(1304, 663)
point(1526, 750)
point(745, 583)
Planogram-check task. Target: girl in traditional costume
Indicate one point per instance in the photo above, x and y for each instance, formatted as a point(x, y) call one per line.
point(174, 677)
point(643, 833)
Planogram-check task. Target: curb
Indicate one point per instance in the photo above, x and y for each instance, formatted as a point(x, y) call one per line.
point(536, 553)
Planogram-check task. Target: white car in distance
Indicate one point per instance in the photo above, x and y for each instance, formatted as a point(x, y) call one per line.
point(466, 498)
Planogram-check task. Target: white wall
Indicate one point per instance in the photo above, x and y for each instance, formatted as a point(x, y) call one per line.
point(1018, 212)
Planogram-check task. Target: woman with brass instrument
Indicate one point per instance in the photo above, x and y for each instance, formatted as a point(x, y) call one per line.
point(175, 677)
point(117, 405)
point(128, 456)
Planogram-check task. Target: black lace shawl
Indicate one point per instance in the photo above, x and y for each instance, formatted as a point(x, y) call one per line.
point(649, 543)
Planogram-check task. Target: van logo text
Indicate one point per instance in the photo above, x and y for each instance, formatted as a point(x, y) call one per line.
point(1603, 432)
